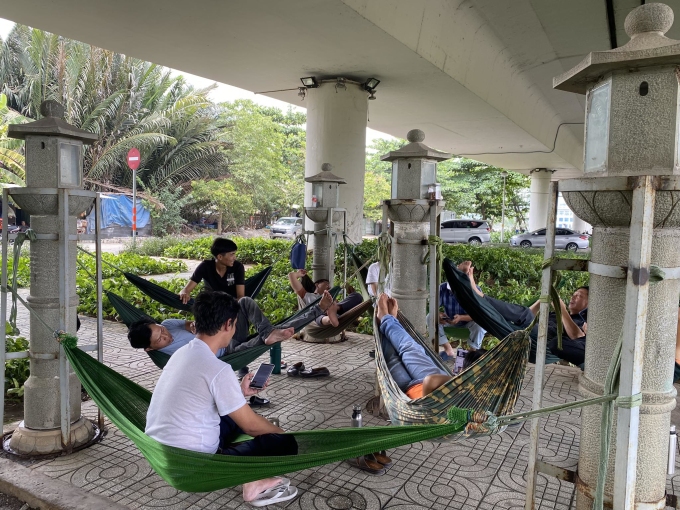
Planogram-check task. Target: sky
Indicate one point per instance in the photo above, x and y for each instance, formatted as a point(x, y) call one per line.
point(224, 92)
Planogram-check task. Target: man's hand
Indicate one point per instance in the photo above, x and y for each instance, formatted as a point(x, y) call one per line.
point(301, 273)
point(456, 319)
point(184, 296)
point(443, 318)
point(245, 386)
point(192, 327)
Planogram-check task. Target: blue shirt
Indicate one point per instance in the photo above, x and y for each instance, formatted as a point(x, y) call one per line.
point(448, 300)
point(180, 336)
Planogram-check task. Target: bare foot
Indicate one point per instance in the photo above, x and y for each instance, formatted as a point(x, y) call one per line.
point(464, 266)
point(326, 301)
point(382, 307)
point(448, 349)
point(253, 489)
point(393, 307)
point(279, 335)
point(332, 313)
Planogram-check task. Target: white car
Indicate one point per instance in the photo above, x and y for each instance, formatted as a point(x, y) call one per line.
point(287, 228)
point(565, 239)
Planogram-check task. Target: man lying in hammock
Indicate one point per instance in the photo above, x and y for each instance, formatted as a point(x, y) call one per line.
point(320, 286)
point(198, 404)
point(172, 334)
point(574, 323)
point(411, 367)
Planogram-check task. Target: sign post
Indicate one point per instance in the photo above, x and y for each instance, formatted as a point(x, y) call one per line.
point(133, 160)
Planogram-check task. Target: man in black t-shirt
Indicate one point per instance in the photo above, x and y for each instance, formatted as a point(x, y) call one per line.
point(223, 273)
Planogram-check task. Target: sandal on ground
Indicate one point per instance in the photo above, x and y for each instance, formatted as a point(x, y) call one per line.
point(315, 372)
point(295, 369)
point(382, 458)
point(258, 401)
point(277, 494)
point(284, 365)
point(370, 466)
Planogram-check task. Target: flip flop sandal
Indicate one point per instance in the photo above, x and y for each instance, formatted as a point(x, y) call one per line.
point(382, 458)
point(295, 369)
point(370, 466)
point(277, 494)
point(258, 401)
point(284, 365)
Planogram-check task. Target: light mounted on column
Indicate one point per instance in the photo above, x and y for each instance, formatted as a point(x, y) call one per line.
point(310, 82)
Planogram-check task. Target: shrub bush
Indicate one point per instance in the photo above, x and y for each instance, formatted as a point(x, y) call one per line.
point(16, 370)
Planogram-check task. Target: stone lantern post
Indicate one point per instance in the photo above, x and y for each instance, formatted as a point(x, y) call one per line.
point(629, 195)
point(414, 175)
point(53, 196)
point(325, 213)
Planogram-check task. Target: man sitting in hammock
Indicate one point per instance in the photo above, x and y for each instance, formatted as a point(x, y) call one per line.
point(223, 272)
point(198, 404)
point(574, 323)
point(172, 334)
point(412, 369)
point(320, 286)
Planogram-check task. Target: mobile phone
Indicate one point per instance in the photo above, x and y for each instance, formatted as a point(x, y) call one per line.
point(262, 375)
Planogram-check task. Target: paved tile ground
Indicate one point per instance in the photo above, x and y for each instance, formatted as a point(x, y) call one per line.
point(486, 473)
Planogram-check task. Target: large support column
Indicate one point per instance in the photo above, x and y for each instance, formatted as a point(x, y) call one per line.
point(336, 134)
point(538, 205)
point(580, 226)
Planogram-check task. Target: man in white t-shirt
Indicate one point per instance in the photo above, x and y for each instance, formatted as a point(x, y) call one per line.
point(199, 405)
point(320, 286)
point(373, 279)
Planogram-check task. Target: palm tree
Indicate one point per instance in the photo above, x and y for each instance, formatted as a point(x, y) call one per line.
point(126, 101)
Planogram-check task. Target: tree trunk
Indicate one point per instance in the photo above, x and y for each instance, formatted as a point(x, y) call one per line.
point(219, 223)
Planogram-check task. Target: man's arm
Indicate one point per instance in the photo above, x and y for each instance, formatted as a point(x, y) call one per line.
point(240, 291)
point(252, 423)
point(570, 327)
point(189, 326)
point(185, 293)
point(374, 288)
point(293, 277)
point(460, 318)
point(534, 308)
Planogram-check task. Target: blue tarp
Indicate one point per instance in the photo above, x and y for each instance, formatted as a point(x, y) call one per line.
point(117, 209)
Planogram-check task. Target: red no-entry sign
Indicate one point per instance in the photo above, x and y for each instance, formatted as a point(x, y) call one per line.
point(133, 158)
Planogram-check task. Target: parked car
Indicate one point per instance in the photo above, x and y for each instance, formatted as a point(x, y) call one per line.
point(473, 232)
point(565, 239)
point(288, 228)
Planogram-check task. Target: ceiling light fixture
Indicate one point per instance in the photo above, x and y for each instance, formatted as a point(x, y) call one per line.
point(310, 82)
point(371, 84)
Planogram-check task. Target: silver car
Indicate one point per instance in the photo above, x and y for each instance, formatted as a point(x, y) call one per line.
point(473, 232)
point(565, 239)
point(287, 228)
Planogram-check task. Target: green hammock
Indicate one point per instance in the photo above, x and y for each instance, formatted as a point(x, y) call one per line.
point(126, 403)
point(240, 359)
point(344, 321)
point(162, 295)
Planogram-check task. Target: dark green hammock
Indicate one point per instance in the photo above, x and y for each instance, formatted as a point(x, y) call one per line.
point(162, 295)
point(126, 403)
point(240, 359)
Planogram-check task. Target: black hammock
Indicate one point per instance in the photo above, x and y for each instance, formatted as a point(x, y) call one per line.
point(168, 298)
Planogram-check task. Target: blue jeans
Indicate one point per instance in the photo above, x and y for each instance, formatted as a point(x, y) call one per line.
point(406, 359)
point(476, 333)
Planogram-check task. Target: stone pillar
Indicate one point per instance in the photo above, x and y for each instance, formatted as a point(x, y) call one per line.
point(580, 226)
point(336, 134)
point(610, 215)
point(54, 152)
point(538, 205)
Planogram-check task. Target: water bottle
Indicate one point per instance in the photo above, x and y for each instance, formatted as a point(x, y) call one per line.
point(672, 447)
point(357, 419)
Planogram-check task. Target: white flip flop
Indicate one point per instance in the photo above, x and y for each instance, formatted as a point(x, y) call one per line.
point(277, 494)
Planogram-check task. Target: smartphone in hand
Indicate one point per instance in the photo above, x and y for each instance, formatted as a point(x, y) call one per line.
point(262, 376)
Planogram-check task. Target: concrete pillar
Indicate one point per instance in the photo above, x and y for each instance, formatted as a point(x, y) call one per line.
point(336, 134)
point(580, 226)
point(538, 205)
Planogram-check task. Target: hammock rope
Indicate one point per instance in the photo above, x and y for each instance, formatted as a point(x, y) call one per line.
point(16, 254)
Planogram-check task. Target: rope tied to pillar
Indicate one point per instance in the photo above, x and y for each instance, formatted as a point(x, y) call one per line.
point(626, 402)
point(436, 241)
point(16, 254)
point(385, 241)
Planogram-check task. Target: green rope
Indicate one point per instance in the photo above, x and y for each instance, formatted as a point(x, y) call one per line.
point(629, 402)
point(433, 240)
point(18, 242)
point(384, 256)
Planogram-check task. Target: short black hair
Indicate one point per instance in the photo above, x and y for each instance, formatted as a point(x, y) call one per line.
point(586, 287)
point(212, 309)
point(139, 333)
point(321, 280)
point(222, 245)
point(472, 356)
